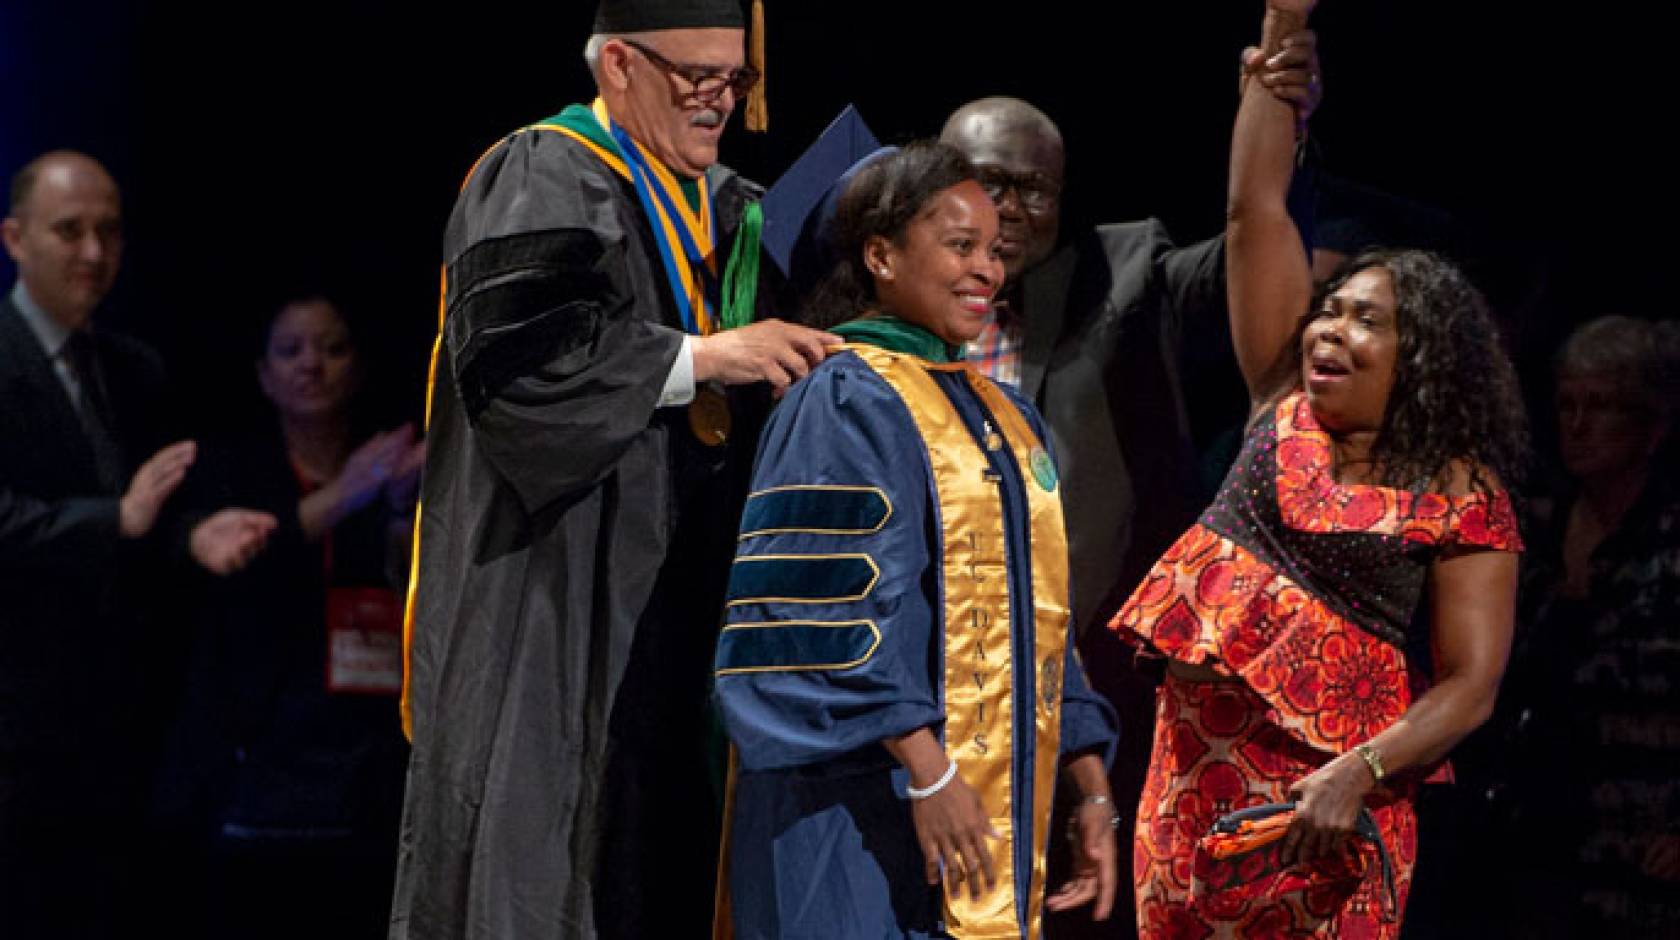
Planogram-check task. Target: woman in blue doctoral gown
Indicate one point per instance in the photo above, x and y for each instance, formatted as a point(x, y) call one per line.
point(895, 668)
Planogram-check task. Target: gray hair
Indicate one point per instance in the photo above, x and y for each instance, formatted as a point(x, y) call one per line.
point(592, 50)
point(1643, 355)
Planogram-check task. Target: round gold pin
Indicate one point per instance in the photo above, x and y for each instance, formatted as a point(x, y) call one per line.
point(708, 416)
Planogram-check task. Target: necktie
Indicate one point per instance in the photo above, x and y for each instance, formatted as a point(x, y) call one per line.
point(94, 410)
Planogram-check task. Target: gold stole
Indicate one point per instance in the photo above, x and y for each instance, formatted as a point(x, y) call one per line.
point(979, 668)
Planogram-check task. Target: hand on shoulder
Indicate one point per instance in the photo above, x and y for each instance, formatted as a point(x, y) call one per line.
point(771, 351)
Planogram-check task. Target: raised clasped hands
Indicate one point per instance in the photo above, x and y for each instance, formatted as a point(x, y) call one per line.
point(1292, 73)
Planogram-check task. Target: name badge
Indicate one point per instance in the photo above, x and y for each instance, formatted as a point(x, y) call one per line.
point(364, 641)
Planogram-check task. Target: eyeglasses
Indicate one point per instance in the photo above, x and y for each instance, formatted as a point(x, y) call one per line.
point(708, 81)
point(1036, 191)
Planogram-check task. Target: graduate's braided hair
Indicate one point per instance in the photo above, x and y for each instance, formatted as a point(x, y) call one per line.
point(882, 199)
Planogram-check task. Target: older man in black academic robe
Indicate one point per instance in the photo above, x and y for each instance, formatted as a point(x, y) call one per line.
point(586, 467)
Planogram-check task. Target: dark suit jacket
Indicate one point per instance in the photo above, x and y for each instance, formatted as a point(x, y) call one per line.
point(1103, 319)
point(72, 641)
point(67, 579)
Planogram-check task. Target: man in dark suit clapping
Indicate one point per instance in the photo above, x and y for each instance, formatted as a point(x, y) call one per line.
point(84, 474)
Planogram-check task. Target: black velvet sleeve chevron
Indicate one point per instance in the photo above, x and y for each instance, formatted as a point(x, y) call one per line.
point(555, 333)
point(518, 301)
point(556, 371)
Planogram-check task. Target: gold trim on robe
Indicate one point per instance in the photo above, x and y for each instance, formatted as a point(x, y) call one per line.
point(405, 702)
point(1050, 622)
point(979, 668)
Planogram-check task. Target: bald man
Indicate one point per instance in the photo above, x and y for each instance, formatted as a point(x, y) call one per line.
point(1089, 328)
point(85, 471)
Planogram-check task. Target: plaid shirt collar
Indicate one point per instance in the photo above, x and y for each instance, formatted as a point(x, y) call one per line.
point(996, 352)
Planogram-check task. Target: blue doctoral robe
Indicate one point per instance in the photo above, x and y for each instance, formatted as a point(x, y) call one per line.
point(834, 640)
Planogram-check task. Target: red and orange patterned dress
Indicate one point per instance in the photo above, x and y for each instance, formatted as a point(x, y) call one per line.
point(1305, 593)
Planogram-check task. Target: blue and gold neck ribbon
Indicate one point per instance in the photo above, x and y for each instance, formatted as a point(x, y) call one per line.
point(684, 235)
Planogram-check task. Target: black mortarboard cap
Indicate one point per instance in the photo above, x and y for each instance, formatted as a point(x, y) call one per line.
point(641, 16)
point(798, 208)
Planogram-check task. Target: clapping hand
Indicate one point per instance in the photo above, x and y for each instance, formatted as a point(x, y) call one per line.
point(402, 490)
point(380, 460)
point(155, 481)
point(226, 541)
point(387, 463)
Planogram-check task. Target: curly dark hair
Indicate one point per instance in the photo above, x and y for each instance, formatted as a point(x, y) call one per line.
point(881, 199)
point(1455, 395)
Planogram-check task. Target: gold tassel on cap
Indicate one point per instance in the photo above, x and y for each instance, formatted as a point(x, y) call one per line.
point(758, 111)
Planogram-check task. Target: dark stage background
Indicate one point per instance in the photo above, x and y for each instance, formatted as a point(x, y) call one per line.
point(268, 146)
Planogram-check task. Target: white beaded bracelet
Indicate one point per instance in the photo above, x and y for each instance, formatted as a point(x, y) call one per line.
point(933, 787)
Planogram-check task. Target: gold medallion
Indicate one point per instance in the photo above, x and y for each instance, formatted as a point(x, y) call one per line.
point(708, 415)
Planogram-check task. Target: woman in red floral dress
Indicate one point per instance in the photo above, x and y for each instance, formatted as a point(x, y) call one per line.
point(1339, 618)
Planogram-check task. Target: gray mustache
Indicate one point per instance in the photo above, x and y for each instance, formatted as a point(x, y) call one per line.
point(707, 118)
